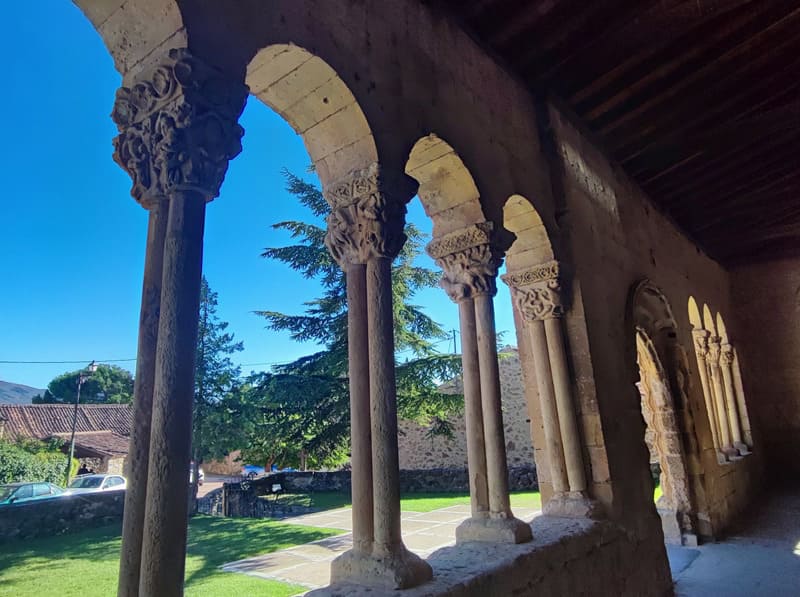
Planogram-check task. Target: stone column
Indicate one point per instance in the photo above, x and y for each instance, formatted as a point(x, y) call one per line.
point(726, 365)
point(740, 401)
point(470, 263)
point(360, 420)
point(719, 397)
point(539, 297)
point(365, 232)
point(700, 337)
point(139, 451)
point(178, 130)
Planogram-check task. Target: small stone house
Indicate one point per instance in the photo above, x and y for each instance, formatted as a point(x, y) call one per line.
point(102, 431)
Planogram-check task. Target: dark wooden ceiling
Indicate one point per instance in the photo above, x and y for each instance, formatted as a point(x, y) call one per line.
point(698, 100)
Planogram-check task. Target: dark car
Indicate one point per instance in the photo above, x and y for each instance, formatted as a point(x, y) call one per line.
point(14, 493)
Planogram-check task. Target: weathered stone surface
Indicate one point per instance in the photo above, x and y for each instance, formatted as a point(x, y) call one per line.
point(57, 516)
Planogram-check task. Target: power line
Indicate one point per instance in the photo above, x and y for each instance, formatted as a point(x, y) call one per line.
point(65, 362)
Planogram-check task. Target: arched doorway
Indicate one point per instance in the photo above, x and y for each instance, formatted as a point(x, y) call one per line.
point(662, 389)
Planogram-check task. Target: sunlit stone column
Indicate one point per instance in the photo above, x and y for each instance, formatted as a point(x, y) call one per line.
point(700, 338)
point(178, 130)
point(366, 227)
point(718, 391)
point(139, 451)
point(726, 365)
point(740, 401)
point(470, 263)
point(539, 297)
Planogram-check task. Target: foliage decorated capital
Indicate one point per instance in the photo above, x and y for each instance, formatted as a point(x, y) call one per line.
point(700, 338)
point(714, 349)
point(367, 218)
point(726, 354)
point(178, 128)
point(469, 260)
point(538, 291)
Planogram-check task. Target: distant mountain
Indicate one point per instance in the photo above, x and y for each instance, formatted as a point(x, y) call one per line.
point(15, 393)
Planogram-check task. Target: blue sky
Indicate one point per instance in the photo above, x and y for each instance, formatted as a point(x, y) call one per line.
point(72, 238)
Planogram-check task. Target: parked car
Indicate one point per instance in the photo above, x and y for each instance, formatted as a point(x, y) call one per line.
point(251, 471)
point(96, 482)
point(24, 492)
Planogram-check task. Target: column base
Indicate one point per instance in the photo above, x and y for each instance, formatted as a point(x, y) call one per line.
point(572, 505)
point(722, 458)
point(742, 449)
point(401, 569)
point(493, 530)
point(731, 453)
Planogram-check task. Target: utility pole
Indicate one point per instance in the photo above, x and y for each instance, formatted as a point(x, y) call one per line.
point(83, 376)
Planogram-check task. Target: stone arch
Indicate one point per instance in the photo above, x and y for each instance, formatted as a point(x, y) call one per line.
point(662, 390)
point(132, 31)
point(308, 93)
point(447, 189)
point(532, 245)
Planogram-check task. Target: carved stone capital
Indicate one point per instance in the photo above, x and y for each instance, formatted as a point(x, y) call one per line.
point(726, 354)
point(469, 260)
point(367, 218)
point(714, 349)
point(537, 291)
point(700, 338)
point(178, 128)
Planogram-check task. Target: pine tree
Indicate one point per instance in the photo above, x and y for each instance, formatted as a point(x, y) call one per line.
point(216, 382)
point(305, 403)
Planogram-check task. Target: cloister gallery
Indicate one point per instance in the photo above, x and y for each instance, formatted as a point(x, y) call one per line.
point(636, 167)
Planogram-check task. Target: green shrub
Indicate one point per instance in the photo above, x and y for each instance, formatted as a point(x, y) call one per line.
point(30, 460)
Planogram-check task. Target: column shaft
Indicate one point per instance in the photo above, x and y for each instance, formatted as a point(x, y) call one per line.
point(360, 427)
point(544, 384)
point(383, 400)
point(719, 402)
point(139, 451)
point(473, 414)
point(494, 435)
point(730, 402)
point(567, 419)
point(740, 401)
point(709, 398)
point(164, 542)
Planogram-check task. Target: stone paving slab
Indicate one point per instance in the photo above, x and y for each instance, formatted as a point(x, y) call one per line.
point(308, 565)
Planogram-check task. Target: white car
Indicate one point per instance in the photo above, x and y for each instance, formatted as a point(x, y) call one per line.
point(95, 483)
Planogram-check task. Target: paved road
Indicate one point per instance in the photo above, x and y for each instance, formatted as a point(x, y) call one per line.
point(213, 482)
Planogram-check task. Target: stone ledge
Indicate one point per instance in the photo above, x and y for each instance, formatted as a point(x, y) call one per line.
point(566, 557)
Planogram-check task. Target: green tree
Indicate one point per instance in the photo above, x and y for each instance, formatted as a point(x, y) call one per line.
point(305, 403)
point(110, 384)
point(215, 424)
point(33, 460)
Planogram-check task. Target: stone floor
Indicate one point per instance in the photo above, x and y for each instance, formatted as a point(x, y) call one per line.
point(759, 557)
point(309, 565)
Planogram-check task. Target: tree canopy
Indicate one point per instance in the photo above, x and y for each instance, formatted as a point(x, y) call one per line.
point(305, 404)
point(110, 384)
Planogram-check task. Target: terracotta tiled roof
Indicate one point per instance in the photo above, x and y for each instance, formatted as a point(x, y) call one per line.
point(41, 421)
point(106, 443)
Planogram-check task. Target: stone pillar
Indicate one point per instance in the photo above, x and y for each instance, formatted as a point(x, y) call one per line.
point(470, 263)
point(700, 337)
point(178, 130)
point(539, 298)
point(139, 451)
point(365, 232)
point(740, 401)
point(726, 365)
point(718, 392)
point(360, 421)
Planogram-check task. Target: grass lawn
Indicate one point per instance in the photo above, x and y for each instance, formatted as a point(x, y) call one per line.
point(409, 502)
point(86, 564)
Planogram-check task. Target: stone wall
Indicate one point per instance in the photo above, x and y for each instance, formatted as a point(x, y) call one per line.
point(767, 297)
point(566, 557)
point(242, 499)
point(616, 239)
point(58, 516)
point(420, 451)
